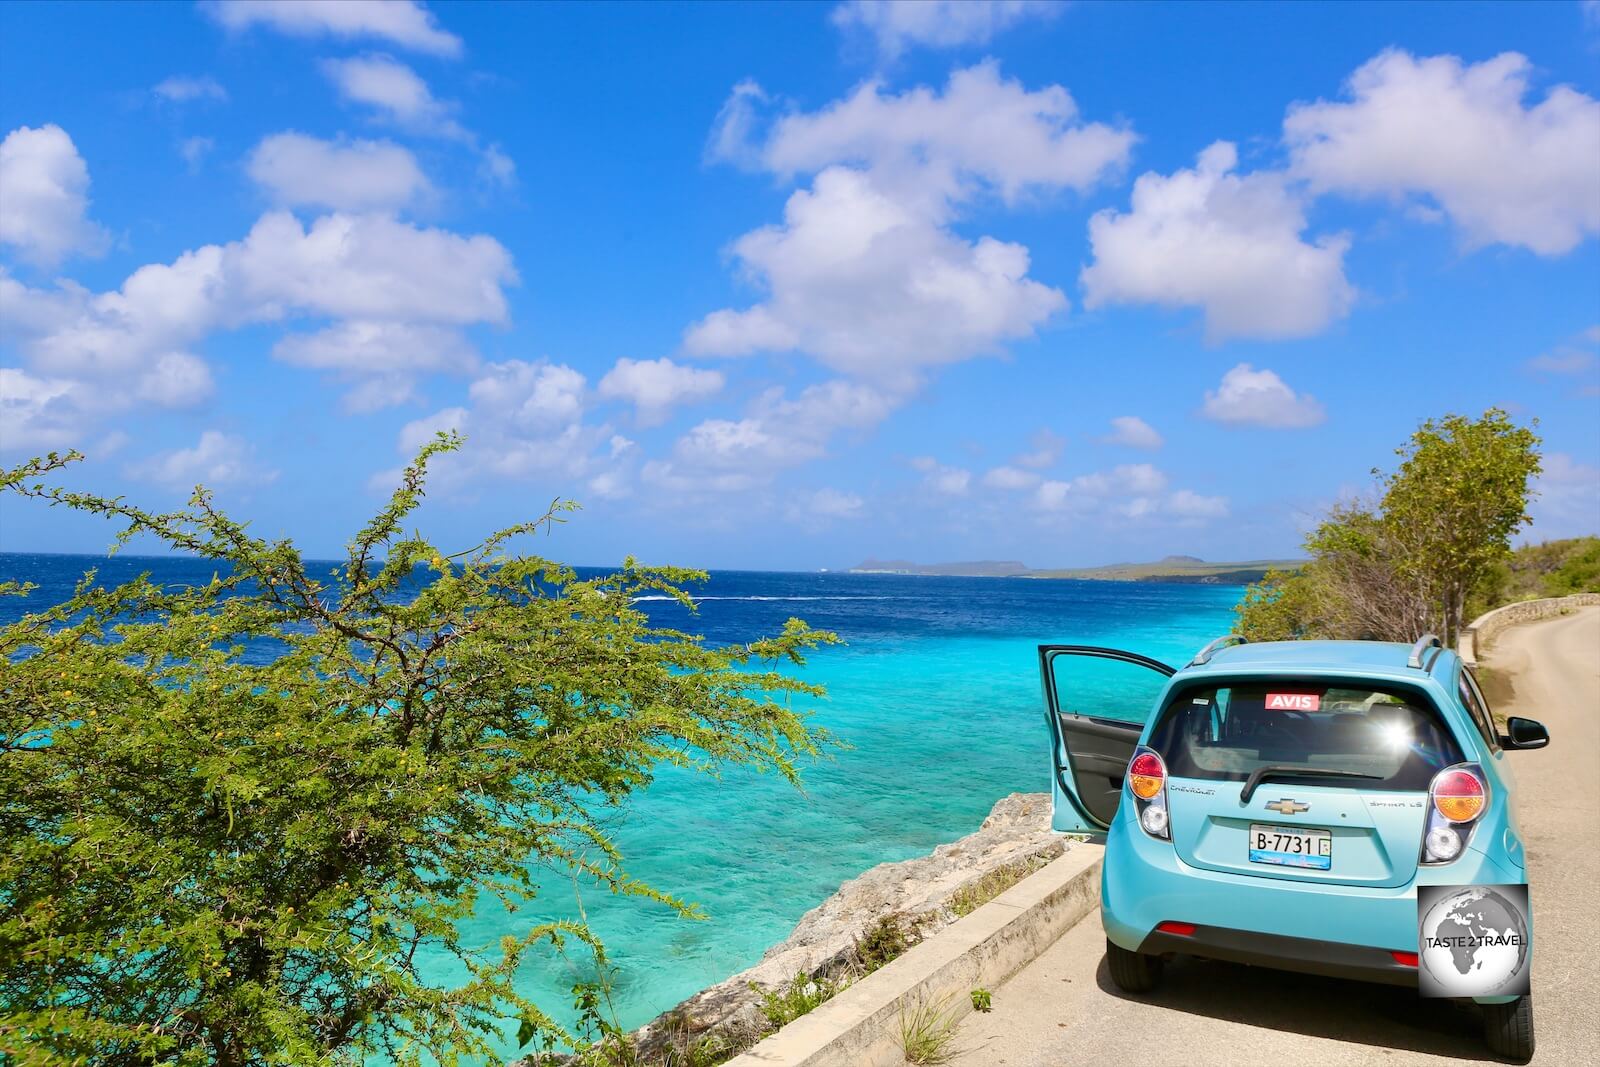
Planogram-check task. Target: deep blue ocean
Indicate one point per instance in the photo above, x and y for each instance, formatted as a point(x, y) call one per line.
point(936, 692)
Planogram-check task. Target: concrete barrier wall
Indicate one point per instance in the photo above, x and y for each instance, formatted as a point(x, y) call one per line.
point(1476, 637)
point(861, 1026)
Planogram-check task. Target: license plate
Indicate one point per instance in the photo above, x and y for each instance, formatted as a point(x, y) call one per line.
point(1289, 846)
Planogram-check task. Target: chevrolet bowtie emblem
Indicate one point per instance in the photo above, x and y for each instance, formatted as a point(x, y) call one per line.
point(1288, 807)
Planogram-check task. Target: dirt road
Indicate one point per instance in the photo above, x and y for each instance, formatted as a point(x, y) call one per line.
point(1062, 1010)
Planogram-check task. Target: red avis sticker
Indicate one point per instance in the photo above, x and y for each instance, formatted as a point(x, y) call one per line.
point(1294, 701)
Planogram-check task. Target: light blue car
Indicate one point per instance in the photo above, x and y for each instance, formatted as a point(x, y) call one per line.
point(1279, 804)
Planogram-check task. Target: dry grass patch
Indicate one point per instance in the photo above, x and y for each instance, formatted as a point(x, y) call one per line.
point(975, 894)
point(928, 1033)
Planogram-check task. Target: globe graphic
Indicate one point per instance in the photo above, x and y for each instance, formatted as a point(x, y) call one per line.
point(1488, 943)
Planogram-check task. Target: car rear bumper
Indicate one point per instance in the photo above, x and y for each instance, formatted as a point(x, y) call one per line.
point(1290, 924)
point(1331, 959)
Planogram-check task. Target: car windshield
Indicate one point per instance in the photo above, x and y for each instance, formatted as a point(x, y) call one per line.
point(1224, 734)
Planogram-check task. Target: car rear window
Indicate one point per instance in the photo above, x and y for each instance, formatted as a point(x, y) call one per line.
point(1224, 734)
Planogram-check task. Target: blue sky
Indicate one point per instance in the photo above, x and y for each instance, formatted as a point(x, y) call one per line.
point(790, 285)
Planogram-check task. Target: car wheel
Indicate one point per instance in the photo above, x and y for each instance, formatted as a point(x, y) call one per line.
point(1508, 1029)
point(1133, 972)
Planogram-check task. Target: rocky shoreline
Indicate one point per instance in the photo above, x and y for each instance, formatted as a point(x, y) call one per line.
point(915, 894)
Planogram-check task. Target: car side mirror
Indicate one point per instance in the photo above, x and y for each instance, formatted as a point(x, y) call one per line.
point(1524, 733)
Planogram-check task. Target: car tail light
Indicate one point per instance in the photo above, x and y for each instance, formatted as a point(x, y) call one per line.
point(1404, 959)
point(1457, 797)
point(1172, 926)
point(1146, 775)
point(1147, 781)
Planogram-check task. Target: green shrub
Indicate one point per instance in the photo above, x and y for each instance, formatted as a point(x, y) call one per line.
point(787, 1003)
point(206, 859)
point(884, 940)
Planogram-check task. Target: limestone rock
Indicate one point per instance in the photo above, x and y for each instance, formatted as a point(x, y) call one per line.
point(823, 942)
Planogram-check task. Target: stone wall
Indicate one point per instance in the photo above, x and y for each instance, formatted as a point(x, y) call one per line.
point(1475, 639)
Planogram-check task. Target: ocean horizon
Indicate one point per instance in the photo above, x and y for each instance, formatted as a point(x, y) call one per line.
point(935, 693)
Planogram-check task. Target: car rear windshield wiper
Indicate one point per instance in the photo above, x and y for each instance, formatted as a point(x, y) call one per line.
point(1261, 774)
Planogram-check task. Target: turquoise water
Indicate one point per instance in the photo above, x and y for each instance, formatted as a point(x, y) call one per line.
point(937, 692)
point(938, 695)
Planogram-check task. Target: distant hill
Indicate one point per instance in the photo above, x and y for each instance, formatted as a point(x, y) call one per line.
point(1171, 569)
point(1176, 569)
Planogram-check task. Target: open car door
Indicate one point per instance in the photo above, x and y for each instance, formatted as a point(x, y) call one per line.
point(1097, 701)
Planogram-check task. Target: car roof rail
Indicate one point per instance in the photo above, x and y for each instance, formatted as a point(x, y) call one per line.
point(1205, 654)
point(1425, 642)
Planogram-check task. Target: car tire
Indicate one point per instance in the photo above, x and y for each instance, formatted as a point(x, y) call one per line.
point(1132, 972)
point(1508, 1029)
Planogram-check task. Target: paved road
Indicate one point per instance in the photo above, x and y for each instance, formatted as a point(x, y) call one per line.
point(1063, 1011)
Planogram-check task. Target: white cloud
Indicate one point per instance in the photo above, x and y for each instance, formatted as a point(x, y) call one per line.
point(1228, 244)
point(1562, 361)
point(418, 432)
point(45, 202)
point(1010, 478)
point(1132, 492)
point(216, 459)
point(1567, 498)
point(524, 422)
point(180, 89)
point(610, 485)
point(1188, 504)
point(952, 481)
point(379, 279)
point(1250, 397)
point(1046, 448)
point(1134, 432)
point(656, 386)
point(1052, 495)
point(899, 24)
point(831, 504)
point(382, 358)
point(496, 168)
point(194, 151)
point(870, 288)
point(377, 346)
point(928, 148)
point(400, 22)
point(734, 132)
point(371, 267)
point(295, 170)
point(38, 413)
point(777, 433)
point(1459, 136)
point(1128, 479)
point(174, 380)
point(396, 92)
point(864, 273)
point(1089, 492)
point(530, 398)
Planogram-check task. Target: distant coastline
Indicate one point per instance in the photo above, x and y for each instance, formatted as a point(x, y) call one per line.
point(1179, 569)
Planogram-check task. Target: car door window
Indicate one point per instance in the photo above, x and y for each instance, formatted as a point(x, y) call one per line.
point(1105, 687)
point(1097, 701)
point(1478, 708)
